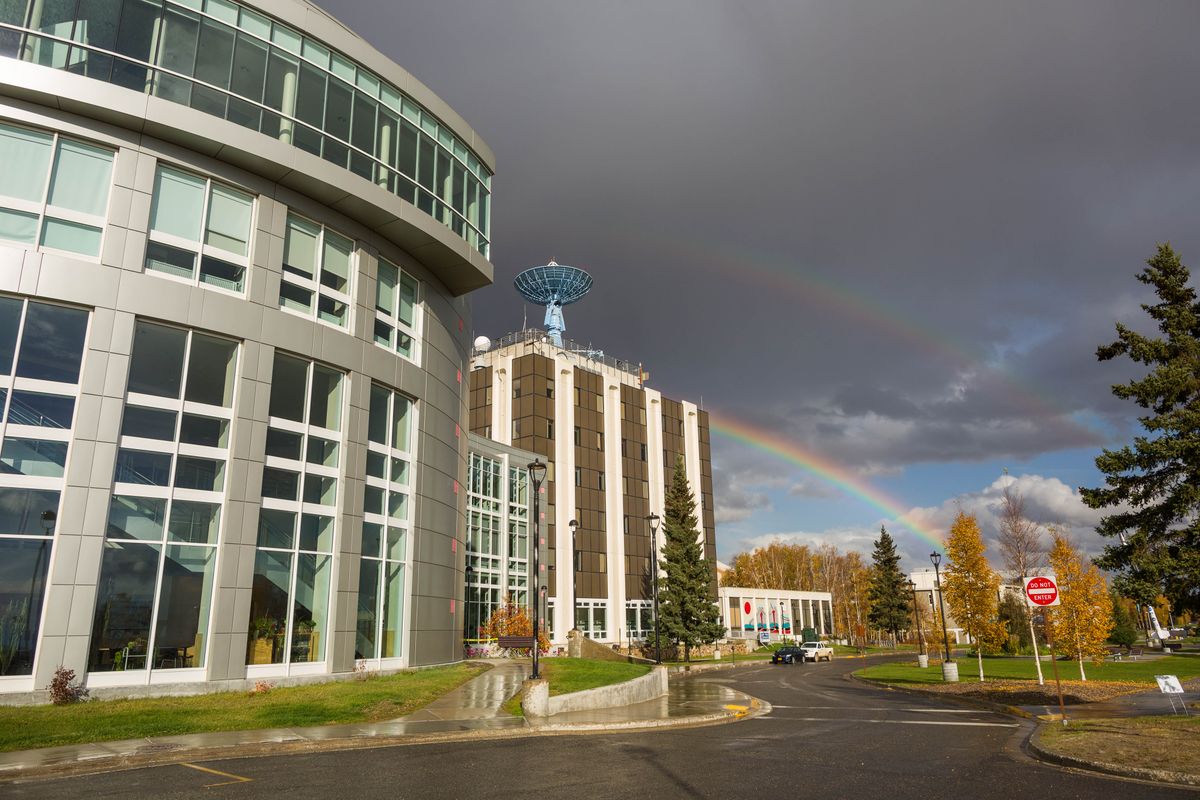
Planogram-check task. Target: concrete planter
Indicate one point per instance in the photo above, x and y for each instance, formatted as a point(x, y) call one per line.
point(537, 702)
point(950, 671)
point(923, 661)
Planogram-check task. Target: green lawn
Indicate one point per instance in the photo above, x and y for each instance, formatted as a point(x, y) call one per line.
point(1140, 671)
point(850, 650)
point(371, 700)
point(568, 675)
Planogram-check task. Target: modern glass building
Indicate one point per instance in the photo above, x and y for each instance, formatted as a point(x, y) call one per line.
point(234, 246)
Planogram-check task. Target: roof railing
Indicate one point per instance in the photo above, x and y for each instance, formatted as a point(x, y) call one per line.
point(570, 346)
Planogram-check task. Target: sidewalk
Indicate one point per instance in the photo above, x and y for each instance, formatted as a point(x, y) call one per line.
point(471, 711)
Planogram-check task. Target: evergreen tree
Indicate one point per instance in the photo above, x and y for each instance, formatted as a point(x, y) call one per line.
point(1155, 483)
point(1015, 617)
point(888, 593)
point(1123, 633)
point(687, 614)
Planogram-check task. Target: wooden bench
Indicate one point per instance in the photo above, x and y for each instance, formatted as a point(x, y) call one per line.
point(1114, 653)
point(1134, 652)
point(515, 642)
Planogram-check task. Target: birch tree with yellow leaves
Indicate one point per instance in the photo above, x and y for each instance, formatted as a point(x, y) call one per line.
point(972, 587)
point(1082, 622)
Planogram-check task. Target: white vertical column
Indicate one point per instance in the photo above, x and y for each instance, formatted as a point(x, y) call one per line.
point(613, 508)
point(691, 449)
point(654, 447)
point(564, 501)
point(502, 399)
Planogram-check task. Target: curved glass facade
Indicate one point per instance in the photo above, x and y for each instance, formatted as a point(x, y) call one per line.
point(229, 61)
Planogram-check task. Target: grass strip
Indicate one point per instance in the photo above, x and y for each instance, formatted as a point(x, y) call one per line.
point(1156, 743)
point(1141, 671)
point(375, 699)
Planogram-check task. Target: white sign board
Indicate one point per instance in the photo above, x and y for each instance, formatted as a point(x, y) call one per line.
point(1169, 684)
point(1041, 591)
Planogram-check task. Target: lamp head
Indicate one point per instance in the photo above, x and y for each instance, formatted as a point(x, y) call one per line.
point(573, 524)
point(48, 520)
point(936, 558)
point(654, 521)
point(537, 472)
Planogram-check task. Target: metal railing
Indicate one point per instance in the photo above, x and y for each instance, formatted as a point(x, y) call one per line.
point(569, 346)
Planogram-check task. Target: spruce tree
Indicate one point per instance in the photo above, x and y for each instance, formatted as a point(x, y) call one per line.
point(891, 609)
point(1154, 484)
point(687, 614)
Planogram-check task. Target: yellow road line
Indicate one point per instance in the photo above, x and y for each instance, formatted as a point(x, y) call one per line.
point(236, 778)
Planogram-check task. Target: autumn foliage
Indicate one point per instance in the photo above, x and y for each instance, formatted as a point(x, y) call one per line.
point(972, 587)
point(1081, 624)
point(510, 619)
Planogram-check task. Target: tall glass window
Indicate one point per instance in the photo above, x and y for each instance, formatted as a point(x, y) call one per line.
point(53, 191)
point(387, 522)
point(317, 268)
point(164, 520)
point(497, 539)
point(517, 551)
point(41, 350)
point(289, 604)
point(396, 310)
point(199, 230)
point(485, 556)
point(227, 60)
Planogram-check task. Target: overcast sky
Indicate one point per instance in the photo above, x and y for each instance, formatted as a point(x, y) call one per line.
point(894, 232)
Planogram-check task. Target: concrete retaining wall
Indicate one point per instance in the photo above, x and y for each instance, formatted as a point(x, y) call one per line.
point(579, 646)
point(537, 702)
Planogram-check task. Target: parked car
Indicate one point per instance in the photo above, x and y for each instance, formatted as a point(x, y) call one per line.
point(815, 651)
point(787, 655)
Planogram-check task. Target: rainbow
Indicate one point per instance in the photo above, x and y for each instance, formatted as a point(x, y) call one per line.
point(822, 293)
point(823, 468)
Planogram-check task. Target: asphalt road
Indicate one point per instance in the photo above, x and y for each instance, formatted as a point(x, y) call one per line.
point(826, 738)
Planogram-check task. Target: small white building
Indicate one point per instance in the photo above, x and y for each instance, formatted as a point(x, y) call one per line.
point(927, 596)
point(779, 613)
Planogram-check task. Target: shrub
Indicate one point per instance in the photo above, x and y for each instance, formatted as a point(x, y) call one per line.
point(262, 687)
point(63, 688)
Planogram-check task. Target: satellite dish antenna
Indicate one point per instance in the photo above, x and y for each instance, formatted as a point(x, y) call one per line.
point(482, 343)
point(553, 286)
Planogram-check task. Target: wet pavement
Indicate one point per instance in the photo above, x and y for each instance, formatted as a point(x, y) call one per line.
point(473, 709)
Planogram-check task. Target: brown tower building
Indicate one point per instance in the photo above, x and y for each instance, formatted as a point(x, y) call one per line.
point(611, 445)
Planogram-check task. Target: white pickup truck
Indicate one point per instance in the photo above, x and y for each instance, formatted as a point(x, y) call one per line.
point(815, 651)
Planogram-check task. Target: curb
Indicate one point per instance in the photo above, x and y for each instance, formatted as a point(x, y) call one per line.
point(1139, 773)
point(158, 754)
point(1155, 775)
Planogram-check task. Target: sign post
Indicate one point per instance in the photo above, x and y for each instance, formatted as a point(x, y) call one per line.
point(1041, 591)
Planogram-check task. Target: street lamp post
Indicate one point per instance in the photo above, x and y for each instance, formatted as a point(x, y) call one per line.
point(912, 585)
point(537, 473)
point(936, 558)
point(470, 572)
point(654, 520)
point(573, 525)
point(781, 620)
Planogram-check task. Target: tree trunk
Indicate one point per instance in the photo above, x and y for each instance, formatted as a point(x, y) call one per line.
point(1082, 676)
point(979, 656)
point(687, 652)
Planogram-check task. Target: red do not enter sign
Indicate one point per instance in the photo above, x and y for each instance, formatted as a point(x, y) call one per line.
point(1041, 591)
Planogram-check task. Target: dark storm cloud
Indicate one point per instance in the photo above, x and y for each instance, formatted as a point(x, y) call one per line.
point(898, 229)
